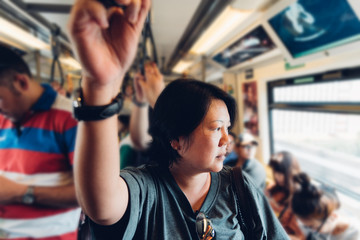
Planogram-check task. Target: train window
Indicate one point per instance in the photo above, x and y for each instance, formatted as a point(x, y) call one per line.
point(336, 91)
point(327, 145)
point(318, 121)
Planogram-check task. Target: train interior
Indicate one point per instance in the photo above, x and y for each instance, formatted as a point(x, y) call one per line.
point(293, 67)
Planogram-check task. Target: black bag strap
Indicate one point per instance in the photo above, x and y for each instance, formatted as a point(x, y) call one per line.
point(283, 211)
point(244, 216)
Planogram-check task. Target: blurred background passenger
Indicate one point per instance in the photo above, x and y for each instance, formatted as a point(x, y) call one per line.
point(58, 88)
point(146, 93)
point(128, 154)
point(133, 147)
point(123, 123)
point(316, 208)
point(245, 149)
point(231, 156)
point(128, 93)
point(284, 167)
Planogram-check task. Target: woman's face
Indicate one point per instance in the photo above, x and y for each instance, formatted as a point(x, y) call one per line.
point(207, 146)
point(318, 225)
point(313, 224)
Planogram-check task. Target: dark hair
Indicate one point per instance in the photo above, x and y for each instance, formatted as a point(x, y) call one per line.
point(11, 62)
point(312, 202)
point(284, 162)
point(179, 109)
point(126, 82)
point(124, 119)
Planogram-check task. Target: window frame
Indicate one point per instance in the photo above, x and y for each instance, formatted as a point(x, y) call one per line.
point(352, 108)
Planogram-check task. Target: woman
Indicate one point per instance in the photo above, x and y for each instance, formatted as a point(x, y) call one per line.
point(284, 167)
point(190, 133)
point(316, 208)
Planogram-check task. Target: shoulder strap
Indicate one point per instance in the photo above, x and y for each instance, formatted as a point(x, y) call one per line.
point(283, 211)
point(244, 216)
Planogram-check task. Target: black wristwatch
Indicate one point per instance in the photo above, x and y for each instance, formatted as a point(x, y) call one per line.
point(29, 198)
point(95, 113)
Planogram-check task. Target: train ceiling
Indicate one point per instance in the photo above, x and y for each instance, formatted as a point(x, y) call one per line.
point(176, 25)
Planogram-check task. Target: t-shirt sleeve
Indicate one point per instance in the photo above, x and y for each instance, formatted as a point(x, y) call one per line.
point(141, 198)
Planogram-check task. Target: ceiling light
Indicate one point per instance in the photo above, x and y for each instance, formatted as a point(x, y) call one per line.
point(181, 66)
point(15, 33)
point(228, 20)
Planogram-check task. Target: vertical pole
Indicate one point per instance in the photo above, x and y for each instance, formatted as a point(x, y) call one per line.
point(203, 68)
point(38, 65)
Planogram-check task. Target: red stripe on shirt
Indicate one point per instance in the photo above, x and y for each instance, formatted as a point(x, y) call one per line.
point(5, 123)
point(54, 120)
point(71, 158)
point(32, 162)
point(18, 211)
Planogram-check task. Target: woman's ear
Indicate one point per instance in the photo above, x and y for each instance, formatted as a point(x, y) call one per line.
point(175, 144)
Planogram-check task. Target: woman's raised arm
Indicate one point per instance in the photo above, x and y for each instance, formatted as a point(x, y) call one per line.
point(105, 42)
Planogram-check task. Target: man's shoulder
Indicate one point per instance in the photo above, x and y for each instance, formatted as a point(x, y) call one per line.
point(62, 103)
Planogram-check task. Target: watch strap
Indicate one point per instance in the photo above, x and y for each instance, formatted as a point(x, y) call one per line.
point(95, 113)
point(137, 103)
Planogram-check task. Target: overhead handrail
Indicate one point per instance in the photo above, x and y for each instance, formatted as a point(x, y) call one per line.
point(56, 50)
point(147, 34)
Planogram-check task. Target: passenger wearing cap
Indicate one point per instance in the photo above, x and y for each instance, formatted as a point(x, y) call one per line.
point(230, 149)
point(245, 148)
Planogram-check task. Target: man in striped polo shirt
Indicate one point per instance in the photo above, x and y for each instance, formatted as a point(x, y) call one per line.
point(37, 137)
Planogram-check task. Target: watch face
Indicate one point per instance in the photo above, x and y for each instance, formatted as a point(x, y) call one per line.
point(28, 199)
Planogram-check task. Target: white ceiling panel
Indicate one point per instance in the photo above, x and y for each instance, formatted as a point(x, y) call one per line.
point(169, 20)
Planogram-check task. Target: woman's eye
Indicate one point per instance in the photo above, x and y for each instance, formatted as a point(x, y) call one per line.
point(218, 129)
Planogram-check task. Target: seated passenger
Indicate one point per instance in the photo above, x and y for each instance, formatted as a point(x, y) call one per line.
point(231, 155)
point(245, 149)
point(189, 130)
point(316, 207)
point(284, 167)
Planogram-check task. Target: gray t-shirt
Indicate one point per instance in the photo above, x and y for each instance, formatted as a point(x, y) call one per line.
point(158, 209)
point(256, 171)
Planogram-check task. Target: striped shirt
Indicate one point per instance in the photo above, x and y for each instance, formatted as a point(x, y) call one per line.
point(39, 153)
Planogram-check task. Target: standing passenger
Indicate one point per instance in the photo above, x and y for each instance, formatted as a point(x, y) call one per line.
point(37, 136)
point(189, 131)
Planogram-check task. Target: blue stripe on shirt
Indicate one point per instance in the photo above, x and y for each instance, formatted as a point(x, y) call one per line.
point(40, 140)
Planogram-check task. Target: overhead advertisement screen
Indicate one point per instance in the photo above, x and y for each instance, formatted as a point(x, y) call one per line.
point(249, 46)
point(310, 26)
